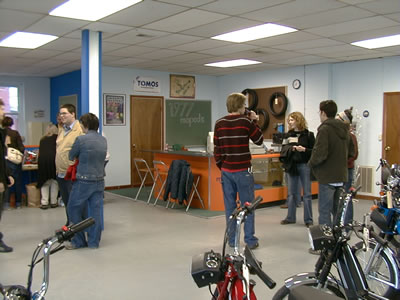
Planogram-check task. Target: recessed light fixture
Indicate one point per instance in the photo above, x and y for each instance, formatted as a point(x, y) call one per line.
point(27, 40)
point(233, 63)
point(254, 33)
point(90, 10)
point(386, 41)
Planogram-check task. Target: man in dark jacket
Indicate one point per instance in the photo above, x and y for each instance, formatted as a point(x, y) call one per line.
point(329, 160)
point(5, 180)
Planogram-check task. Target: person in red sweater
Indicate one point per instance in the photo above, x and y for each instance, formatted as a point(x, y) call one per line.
point(232, 156)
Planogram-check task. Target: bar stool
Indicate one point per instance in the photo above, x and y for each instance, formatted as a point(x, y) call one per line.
point(143, 170)
point(161, 172)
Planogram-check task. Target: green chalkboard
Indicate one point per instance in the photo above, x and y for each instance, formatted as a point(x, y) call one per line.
point(187, 122)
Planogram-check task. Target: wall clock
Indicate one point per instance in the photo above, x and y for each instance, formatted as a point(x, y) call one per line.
point(296, 84)
point(182, 86)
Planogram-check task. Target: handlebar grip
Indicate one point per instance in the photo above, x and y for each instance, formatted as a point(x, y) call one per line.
point(82, 225)
point(253, 205)
point(265, 278)
point(252, 261)
point(377, 238)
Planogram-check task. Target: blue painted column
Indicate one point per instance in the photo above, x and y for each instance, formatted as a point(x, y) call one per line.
point(91, 99)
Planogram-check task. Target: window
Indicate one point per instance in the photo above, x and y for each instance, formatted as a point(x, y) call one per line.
point(10, 97)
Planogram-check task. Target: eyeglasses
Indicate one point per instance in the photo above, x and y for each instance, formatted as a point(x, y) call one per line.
point(63, 113)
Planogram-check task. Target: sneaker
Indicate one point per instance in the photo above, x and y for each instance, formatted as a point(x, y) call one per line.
point(252, 247)
point(284, 206)
point(70, 246)
point(286, 222)
point(4, 247)
point(308, 224)
point(314, 252)
point(53, 205)
point(44, 206)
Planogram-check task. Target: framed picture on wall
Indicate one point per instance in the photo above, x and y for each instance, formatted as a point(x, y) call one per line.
point(182, 86)
point(114, 109)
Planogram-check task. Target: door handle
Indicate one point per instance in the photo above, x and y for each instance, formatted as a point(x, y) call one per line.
point(134, 147)
point(387, 148)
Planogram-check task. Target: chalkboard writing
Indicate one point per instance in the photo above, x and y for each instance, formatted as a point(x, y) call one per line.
point(187, 122)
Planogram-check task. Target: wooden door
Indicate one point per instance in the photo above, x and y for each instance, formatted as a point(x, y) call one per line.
point(391, 127)
point(147, 127)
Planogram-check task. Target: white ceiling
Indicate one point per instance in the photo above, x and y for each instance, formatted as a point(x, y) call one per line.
point(174, 35)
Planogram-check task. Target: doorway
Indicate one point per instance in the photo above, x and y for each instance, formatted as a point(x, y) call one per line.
point(147, 128)
point(391, 128)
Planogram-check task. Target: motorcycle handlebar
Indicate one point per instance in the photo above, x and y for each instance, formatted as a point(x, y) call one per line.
point(377, 238)
point(67, 232)
point(252, 261)
point(250, 207)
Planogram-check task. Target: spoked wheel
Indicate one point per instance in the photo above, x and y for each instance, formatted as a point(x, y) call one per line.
point(381, 271)
point(283, 292)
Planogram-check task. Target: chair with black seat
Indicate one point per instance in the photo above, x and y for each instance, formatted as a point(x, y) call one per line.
point(143, 171)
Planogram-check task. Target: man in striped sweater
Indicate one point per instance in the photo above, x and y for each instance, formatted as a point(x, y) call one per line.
point(233, 158)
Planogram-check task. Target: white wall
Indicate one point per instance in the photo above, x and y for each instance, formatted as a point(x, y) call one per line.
point(34, 95)
point(120, 81)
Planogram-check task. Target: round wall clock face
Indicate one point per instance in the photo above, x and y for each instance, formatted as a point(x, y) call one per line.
point(296, 84)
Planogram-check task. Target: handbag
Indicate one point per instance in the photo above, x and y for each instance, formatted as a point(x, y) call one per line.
point(14, 155)
point(71, 171)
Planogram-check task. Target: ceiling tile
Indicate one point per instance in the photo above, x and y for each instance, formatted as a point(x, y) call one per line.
point(228, 49)
point(40, 53)
point(11, 20)
point(229, 7)
point(188, 3)
point(130, 51)
point(63, 44)
point(42, 6)
point(171, 40)
point(333, 16)
point(56, 26)
point(382, 7)
point(365, 35)
point(187, 57)
point(201, 45)
point(136, 36)
point(143, 13)
point(221, 26)
point(308, 44)
point(292, 9)
point(310, 59)
point(292, 37)
point(185, 20)
point(353, 26)
point(161, 54)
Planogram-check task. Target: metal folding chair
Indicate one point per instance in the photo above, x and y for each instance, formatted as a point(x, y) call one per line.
point(161, 174)
point(195, 190)
point(143, 171)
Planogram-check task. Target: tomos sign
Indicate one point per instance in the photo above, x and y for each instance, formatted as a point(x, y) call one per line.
point(145, 84)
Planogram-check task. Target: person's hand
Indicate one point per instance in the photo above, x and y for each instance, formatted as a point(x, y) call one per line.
point(11, 179)
point(253, 116)
point(299, 148)
point(2, 189)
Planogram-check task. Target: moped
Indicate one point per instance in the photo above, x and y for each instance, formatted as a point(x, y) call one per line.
point(66, 233)
point(231, 272)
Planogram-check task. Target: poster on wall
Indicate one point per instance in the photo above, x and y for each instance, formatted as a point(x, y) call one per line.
point(114, 109)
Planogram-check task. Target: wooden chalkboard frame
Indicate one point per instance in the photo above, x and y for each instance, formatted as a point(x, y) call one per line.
point(187, 122)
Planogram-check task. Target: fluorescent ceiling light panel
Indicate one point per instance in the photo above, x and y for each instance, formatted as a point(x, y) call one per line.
point(27, 40)
point(90, 10)
point(233, 63)
point(386, 41)
point(254, 33)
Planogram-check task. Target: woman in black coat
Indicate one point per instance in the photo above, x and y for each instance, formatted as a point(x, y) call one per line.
point(13, 140)
point(47, 168)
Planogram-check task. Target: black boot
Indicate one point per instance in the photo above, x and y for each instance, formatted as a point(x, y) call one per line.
point(3, 246)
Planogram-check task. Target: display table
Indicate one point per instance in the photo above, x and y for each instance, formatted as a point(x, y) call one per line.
point(268, 175)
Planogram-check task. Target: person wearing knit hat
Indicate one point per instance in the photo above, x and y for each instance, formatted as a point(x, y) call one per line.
point(347, 117)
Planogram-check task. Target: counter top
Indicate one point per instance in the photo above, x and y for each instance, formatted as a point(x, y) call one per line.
point(205, 154)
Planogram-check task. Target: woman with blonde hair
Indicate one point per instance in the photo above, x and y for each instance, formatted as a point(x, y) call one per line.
point(47, 168)
point(299, 148)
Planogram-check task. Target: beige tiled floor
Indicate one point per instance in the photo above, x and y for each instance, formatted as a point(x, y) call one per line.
point(146, 251)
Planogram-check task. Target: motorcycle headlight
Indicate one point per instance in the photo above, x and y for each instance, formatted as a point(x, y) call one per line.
point(321, 237)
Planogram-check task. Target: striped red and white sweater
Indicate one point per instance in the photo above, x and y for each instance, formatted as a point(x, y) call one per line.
point(231, 142)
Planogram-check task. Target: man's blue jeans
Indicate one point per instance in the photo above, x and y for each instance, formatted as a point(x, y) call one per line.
point(294, 194)
point(328, 198)
point(350, 210)
point(242, 183)
point(86, 195)
point(16, 173)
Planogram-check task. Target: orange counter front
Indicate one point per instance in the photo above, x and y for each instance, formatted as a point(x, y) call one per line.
point(209, 186)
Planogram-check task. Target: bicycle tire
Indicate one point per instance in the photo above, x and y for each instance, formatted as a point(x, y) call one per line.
point(283, 292)
point(253, 96)
point(284, 104)
point(381, 269)
point(265, 124)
